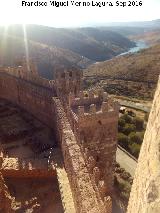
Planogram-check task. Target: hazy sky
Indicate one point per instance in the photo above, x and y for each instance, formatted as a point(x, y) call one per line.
point(11, 12)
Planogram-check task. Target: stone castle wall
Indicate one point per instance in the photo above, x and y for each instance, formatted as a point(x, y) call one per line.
point(5, 198)
point(67, 81)
point(145, 193)
point(33, 97)
point(79, 142)
point(94, 121)
point(40, 100)
point(87, 198)
point(32, 76)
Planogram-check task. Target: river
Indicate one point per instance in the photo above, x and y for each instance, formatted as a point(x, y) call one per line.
point(139, 46)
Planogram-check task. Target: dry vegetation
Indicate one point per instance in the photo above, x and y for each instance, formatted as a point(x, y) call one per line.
point(151, 38)
point(46, 57)
point(133, 75)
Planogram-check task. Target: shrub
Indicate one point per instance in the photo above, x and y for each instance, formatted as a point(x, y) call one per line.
point(125, 196)
point(121, 124)
point(115, 181)
point(89, 83)
point(124, 189)
point(135, 138)
point(127, 118)
point(86, 95)
point(146, 116)
point(135, 149)
point(141, 135)
point(129, 128)
point(131, 113)
point(123, 140)
point(138, 122)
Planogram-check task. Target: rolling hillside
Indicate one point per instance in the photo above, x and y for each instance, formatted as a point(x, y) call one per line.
point(92, 43)
point(136, 30)
point(151, 37)
point(132, 75)
point(46, 57)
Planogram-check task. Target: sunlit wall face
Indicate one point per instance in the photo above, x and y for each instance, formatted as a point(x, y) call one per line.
point(11, 12)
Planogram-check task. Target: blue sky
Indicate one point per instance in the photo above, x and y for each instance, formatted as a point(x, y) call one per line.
point(11, 12)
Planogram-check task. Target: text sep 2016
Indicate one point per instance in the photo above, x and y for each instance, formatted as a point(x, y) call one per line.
point(81, 3)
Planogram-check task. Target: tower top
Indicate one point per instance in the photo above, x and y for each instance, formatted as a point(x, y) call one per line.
point(68, 81)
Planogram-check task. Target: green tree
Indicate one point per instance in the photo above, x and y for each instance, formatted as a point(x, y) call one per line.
point(121, 124)
point(128, 128)
point(135, 138)
point(127, 118)
point(135, 149)
point(138, 123)
point(141, 135)
point(123, 140)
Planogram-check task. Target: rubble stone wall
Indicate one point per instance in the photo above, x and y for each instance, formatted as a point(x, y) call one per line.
point(41, 101)
point(85, 197)
point(145, 193)
point(5, 198)
point(30, 96)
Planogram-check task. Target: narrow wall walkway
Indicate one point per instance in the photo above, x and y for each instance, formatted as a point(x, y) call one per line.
point(64, 186)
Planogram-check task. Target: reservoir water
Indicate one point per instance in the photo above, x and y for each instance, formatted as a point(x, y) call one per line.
point(139, 46)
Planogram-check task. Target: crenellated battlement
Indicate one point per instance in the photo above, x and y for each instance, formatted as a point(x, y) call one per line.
point(94, 119)
point(86, 98)
point(92, 112)
point(85, 121)
point(68, 74)
point(67, 81)
point(32, 76)
point(92, 105)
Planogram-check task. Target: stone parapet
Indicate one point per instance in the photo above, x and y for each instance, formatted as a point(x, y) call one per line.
point(85, 196)
point(67, 81)
point(86, 98)
point(145, 193)
point(85, 120)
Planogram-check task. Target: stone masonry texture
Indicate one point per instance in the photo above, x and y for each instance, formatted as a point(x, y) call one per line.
point(145, 193)
point(49, 102)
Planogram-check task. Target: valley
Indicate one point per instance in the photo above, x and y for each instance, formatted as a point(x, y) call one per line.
point(131, 75)
point(58, 47)
point(121, 66)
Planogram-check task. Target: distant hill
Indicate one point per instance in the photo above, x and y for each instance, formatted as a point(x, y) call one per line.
point(150, 37)
point(94, 44)
point(47, 58)
point(126, 30)
point(135, 74)
point(129, 29)
point(154, 24)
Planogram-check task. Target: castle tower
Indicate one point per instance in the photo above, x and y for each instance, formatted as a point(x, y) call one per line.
point(29, 67)
point(67, 81)
point(94, 119)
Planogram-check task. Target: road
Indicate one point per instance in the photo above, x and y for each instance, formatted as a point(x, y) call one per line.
point(126, 162)
point(135, 105)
